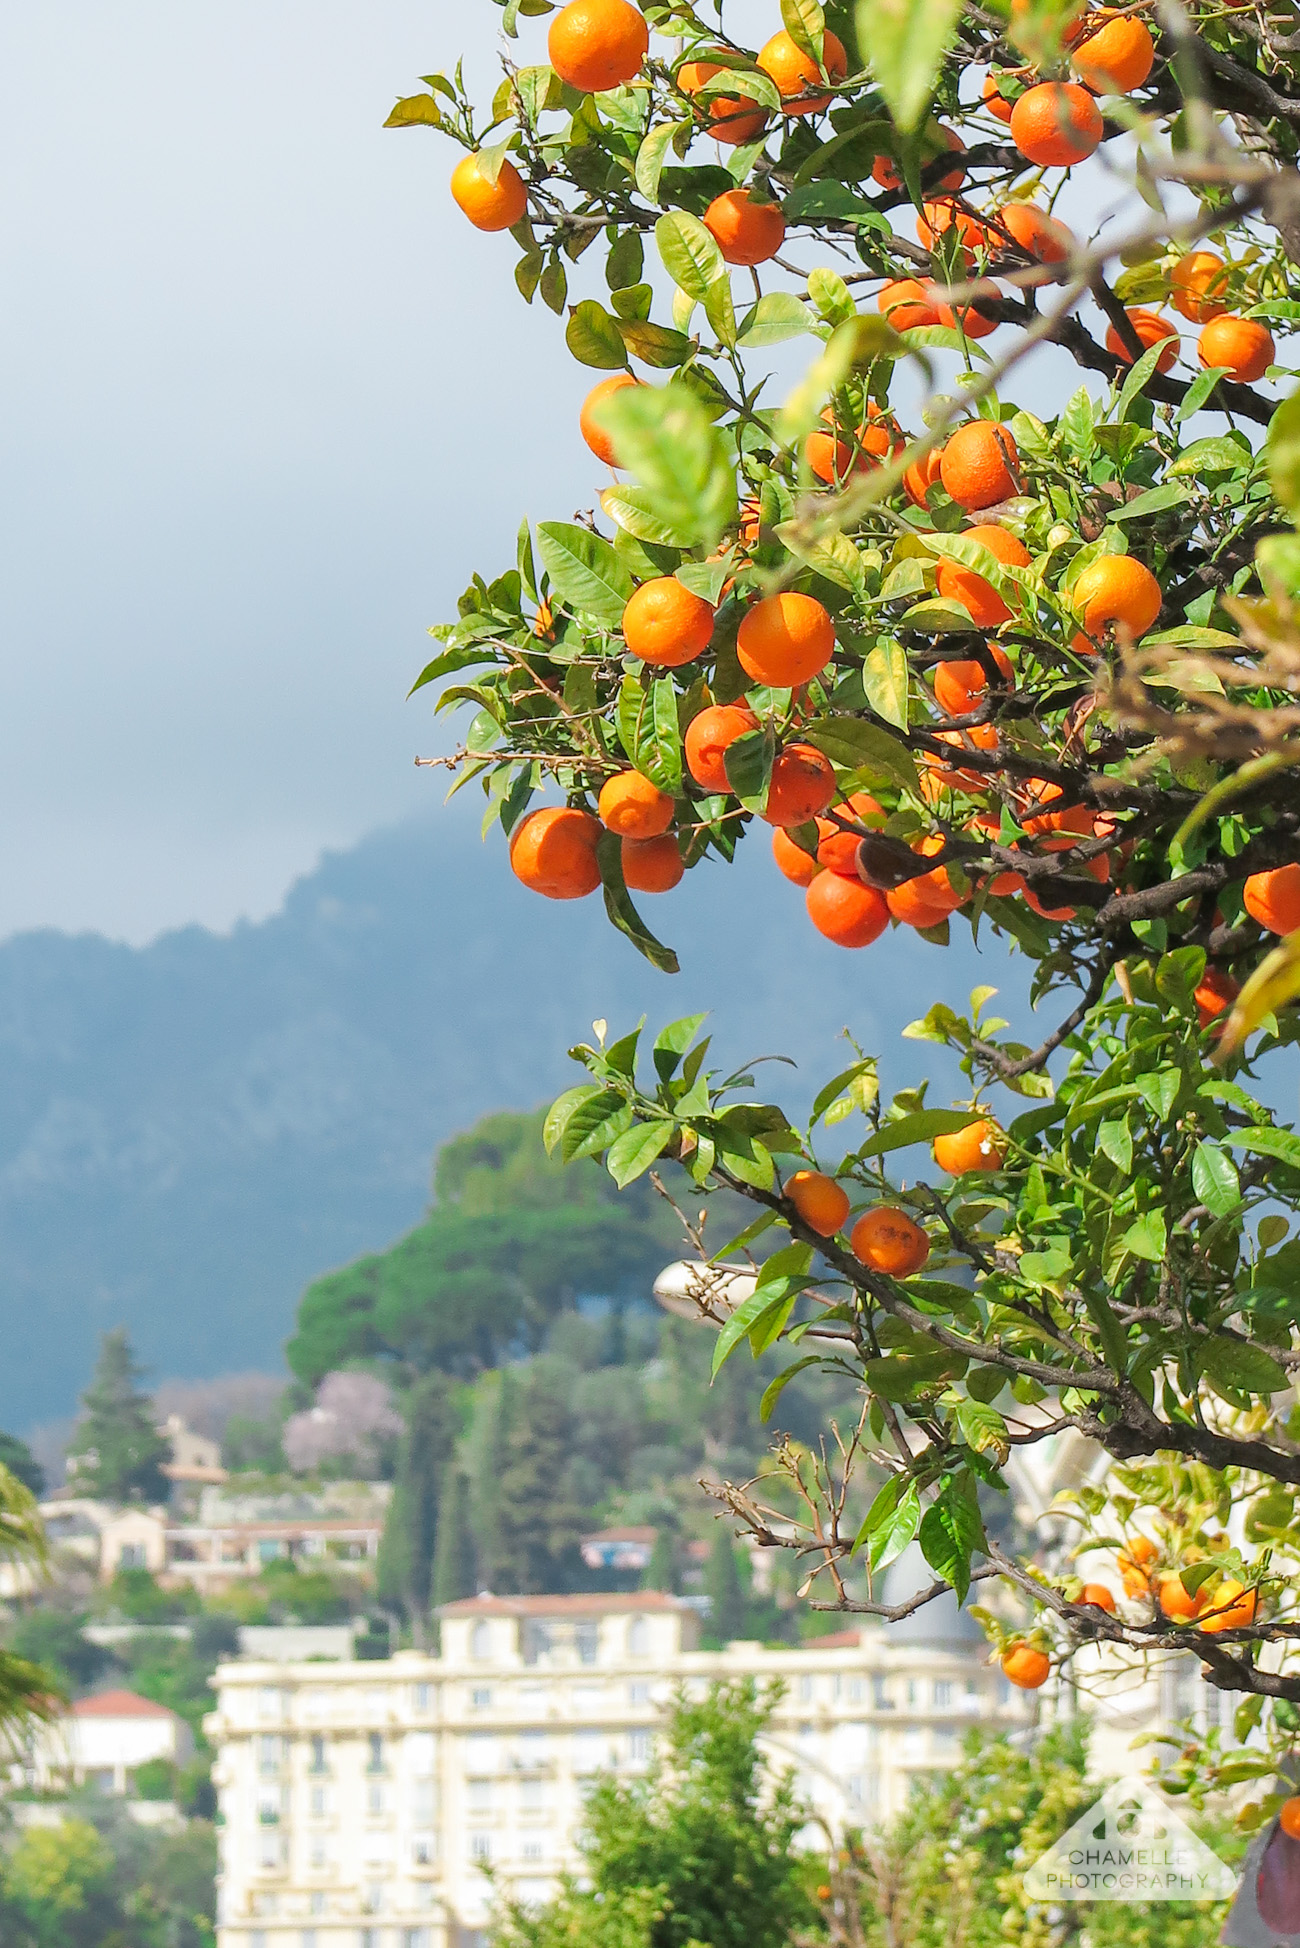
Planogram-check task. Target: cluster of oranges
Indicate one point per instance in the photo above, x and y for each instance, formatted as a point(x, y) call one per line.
point(1227, 1605)
point(885, 1239)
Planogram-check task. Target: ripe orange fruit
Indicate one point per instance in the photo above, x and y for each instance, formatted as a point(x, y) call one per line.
point(796, 74)
point(1149, 326)
point(819, 1200)
point(597, 44)
point(922, 475)
point(837, 849)
point(802, 784)
point(980, 465)
point(884, 170)
point(978, 596)
point(1098, 1596)
point(965, 317)
point(1117, 57)
point(907, 304)
point(797, 865)
point(785, 639)
point(596, 436)
point(652, 865)
point(634, 808)
point(833, 458)
point(1055, 124)
point(1040, 236)
point(488, 205)
point(707, 737)
point(1215, 995)
point(1118, 589)
point(665, 623)
point(929, 898)
point(1273, 898)
point(554, 852)
point(1198, 279)
point(1175, 1602)
point(1026, 1666)
point(732, 119)
point(958, 686)
point(846, 911)
point(997, 104)
point(1289, 1818)
point(887, 1240)
point(1137, 1553)
point(745, 232)
point(940, 215)
point(1232, 1607)
point(980, 1146)
point(1242, 344)
point(1071, 818)
point(980, 737)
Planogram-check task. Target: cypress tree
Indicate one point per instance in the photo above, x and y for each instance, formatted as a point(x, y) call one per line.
point(453, 1558)
point(661, 1570)
point(722, 1586)
point(424, 1456)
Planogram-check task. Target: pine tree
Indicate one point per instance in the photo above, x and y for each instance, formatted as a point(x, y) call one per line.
point(124, 1452)
point(410, 1532)
point(722, 1586)
point(453, 1557)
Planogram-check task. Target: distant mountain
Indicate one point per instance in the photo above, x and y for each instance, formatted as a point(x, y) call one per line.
point(191, 1130)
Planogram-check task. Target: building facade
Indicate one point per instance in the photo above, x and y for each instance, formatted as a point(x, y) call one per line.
point(362, 1803)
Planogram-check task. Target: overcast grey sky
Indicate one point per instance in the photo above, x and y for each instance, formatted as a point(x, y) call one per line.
point(267, 398)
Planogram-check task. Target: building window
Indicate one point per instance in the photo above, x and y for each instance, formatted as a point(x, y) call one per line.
point(318, 1802)
point(268, 1754)
point(309, 1938)
point(423, 1850)
point(531, 1796)
point(638, 1746)
point(372, 1900)
point(269, 1850)
point(269, 1551)
point(258, 1938)
point(316, 1858)
point(423, 1697)
point(131, 1556)
point(424, 1798)
point(375, 1801)
point(480, 1795)
point(316, 1903)
point(480, 1640)
point(880, 1697)
point(638, 1694)
point(638, 1637)
point(268, 1703)
point(370, 1938)
point(317, 1753)
point(375, 1761)
point(942, 1695)
point(911, 1694)
point(855, 1690)
point(480, 1846)
point(415, 1938)
point(532, 1850)
point(805, 1687)
point(536, 1639)
point(586, 1640)
point(480, 1698)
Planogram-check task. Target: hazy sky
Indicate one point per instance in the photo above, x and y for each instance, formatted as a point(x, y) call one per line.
point(267, 398)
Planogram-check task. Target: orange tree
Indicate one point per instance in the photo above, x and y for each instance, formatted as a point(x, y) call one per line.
point(954, 660)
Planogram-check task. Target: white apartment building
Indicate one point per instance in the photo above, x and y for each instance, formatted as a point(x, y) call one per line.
point(361, 1802)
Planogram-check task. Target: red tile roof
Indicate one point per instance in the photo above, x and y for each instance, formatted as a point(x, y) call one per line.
point(834, 1640)
point(119, 1704)
point(588, 1605)
point(621, 1535)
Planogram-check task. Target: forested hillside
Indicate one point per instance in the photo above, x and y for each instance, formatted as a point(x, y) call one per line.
point(192, 1131)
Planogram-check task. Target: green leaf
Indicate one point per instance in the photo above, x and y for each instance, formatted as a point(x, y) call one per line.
point(1244, 1368)
point(415, 111)
point(748, 765)
point(950, 1533)
point(621, 911)
point(775, 1388)
point(632, 1154)
point(664, 435)
point(1282, 453)
point(831, 297)
point(1216, 453)
point(1135, 384)
point(1159, 1091)
point(891, 1523)
point(1147, 1237)
point(672, 1042)
point(884, 679)
point(689, 254)
point(805, 23)
point(585, 572)
point(778, 315)
point(1268, 1143)
point(594, 337)
point(898, 1376)
point(908, 41)
point(922, 1126)
point(860, 746)
point(721, 311)
point(1155, 501)
point(1115, 1140)
point(633, 510)
point(594, 1123)
point(655, 345)
point(560, 1111)
point(983, 1428)
point(1215, 1180)
point(1199, 391)
point(652, 155)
